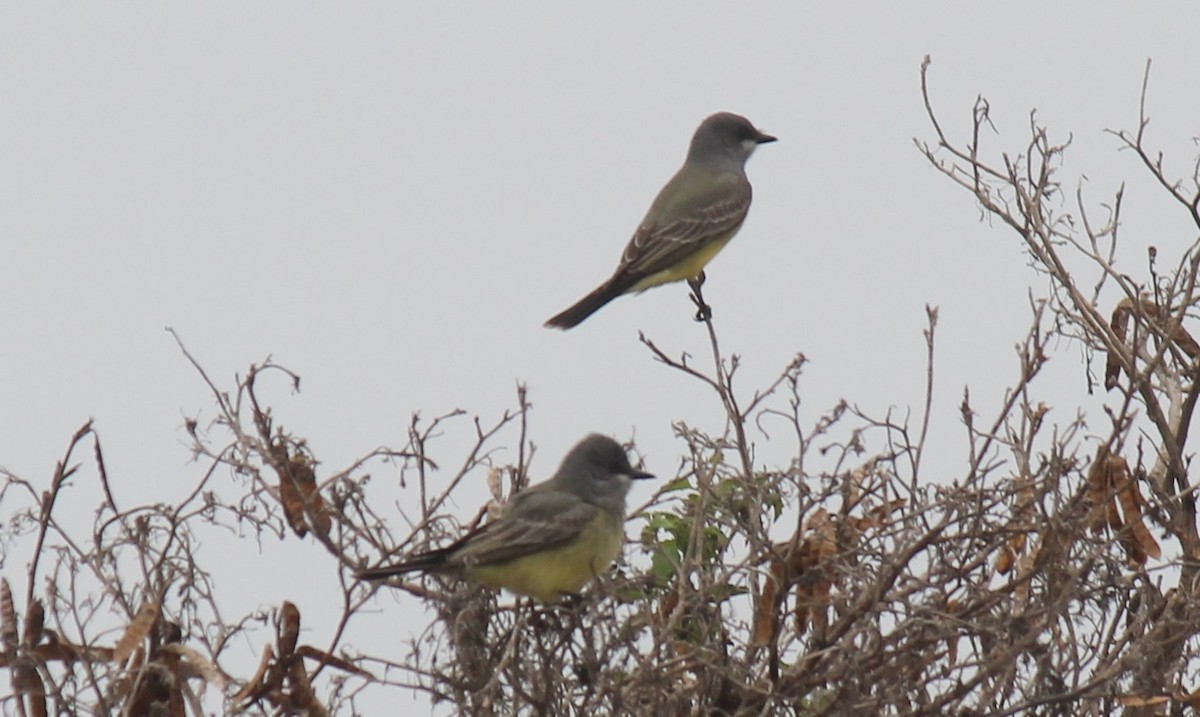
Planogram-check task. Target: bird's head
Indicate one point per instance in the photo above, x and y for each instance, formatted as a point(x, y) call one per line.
point(597, 469)
point(726, 136)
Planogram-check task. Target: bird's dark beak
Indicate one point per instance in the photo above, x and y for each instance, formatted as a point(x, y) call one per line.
point(763, 138)
point(640, 475)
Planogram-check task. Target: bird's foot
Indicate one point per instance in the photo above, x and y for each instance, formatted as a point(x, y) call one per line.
point(703, 310)
point(572, 601)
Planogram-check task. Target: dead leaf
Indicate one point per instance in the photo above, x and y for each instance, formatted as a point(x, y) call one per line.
point(303, 506)
point(137, 631)
point(194, 664)
point(35, 623)
point(766, 611)
point(8, 619)
point(1138, 541)
point(253, 690)
point(1168, 324)
point(1100, 495)
point(289, 629)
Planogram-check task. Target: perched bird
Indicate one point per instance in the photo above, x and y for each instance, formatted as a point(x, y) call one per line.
point(552, 538)
point(693, 217)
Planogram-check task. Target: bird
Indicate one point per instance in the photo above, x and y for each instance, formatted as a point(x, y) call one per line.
point(552, 538)
point(693, 217)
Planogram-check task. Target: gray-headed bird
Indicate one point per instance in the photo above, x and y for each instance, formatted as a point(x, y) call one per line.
point(552, 538)
point(693, 217)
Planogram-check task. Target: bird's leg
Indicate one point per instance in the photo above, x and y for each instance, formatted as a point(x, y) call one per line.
point(573, 606)
point(560, 615)
point(541, 617)
point(571, 601)
point(703, 310)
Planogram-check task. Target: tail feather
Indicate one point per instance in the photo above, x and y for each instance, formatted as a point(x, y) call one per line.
point(431, 561)
point(586, 306)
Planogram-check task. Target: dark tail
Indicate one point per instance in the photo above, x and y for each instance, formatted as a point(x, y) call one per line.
point(431, 561)
point(586, 306)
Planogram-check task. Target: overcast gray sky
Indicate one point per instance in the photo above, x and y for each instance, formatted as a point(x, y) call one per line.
point(391, 200)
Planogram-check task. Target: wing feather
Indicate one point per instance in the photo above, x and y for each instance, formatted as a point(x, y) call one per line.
point(539, 521)
point(655, 247)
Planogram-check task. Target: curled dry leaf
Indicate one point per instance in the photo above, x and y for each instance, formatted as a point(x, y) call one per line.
point(35, 624)
point(8, 619)
point(1191, 699)
point(1006, 558)
point(1138, 541)
point(1151, 310)
point(194, 664)
point(255, 688)
point(26, 683)
point(766, 612)
point(302, 697)
point(137, 631)
point(289, 629)
point(1115, 501)
point(303, 506)
point(807, 568)
point(56, 648)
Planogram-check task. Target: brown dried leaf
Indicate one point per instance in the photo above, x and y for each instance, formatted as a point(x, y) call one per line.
point(157, 692)
point(303, 506)
point(55, 648)
point(289, 630)
point(766, 608)
point(1101, 491)
point(1150, 309)
point(35, 624)
point(1185, 341)
point(1006, 558)
point(26, 683)
point(1191, 699)
point(858, 477)
point(1173, 329)
point(302, 696)
point(290, 497)
point(877, 516)
point(137, 631)
point(1120, 326)
point(192, 663)
point(815, 598)
point(304, 473)
point(8, 619)
point(812, 587)
point(1138, 541)
point(822, 531)
point(253, 690)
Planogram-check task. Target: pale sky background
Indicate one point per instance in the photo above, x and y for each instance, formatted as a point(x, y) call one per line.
point(390, 201)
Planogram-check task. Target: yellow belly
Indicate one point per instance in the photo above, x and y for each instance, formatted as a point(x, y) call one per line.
point(549, 574)
point(689, 268)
